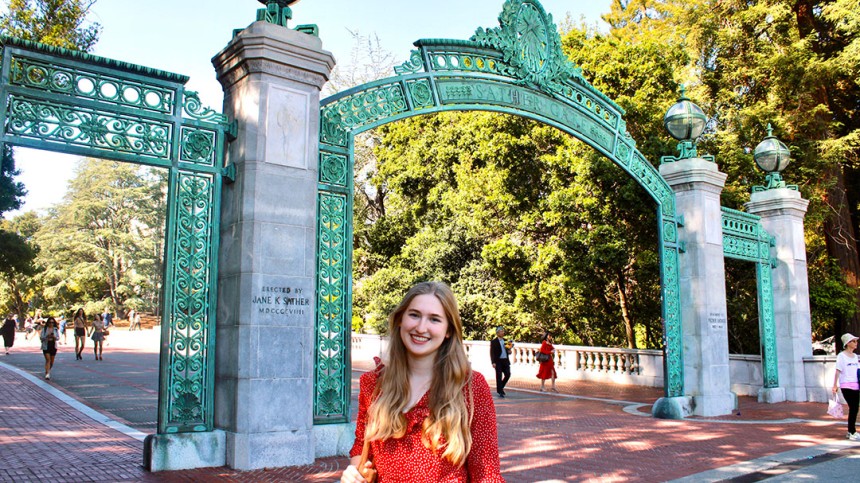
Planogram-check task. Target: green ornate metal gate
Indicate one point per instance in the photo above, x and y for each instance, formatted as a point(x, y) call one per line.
point(745, 239)
point(516, 68)
point(71, 102)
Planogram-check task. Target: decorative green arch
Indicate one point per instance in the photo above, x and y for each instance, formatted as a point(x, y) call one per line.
point(744, 238)
point(72, 102)
point(517, 68)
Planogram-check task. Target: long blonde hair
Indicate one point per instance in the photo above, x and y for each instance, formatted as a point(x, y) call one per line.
point(450, 415)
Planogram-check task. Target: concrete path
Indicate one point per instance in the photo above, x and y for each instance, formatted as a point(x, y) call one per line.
point(88, 421)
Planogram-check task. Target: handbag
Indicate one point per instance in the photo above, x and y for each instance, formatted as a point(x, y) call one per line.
point(542, 357)
point(105, 332)
point(370, 473)
point(834, 408)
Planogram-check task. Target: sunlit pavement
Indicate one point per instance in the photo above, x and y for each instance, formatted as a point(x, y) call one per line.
point(590, 431)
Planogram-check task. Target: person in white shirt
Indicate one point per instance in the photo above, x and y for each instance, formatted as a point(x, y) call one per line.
point(846, 380)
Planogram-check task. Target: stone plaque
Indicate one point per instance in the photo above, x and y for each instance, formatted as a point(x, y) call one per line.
point(287, 134)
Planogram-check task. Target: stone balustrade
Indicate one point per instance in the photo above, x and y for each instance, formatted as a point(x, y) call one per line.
point(621, 366)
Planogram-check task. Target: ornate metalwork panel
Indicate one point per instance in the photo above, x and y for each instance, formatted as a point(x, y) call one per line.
point(516, 68)
point(72, 102)
point(188, 303)
point(744, 238)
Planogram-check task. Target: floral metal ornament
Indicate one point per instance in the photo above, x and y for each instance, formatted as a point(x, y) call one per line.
point(529, 42)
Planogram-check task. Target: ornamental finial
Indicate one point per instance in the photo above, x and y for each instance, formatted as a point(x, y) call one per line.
point(769, 130)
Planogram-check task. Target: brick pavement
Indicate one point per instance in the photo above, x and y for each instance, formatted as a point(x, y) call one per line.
point(543, 437)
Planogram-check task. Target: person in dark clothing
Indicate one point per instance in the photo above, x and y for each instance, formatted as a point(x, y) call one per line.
point(500, 357)
point(8, 332)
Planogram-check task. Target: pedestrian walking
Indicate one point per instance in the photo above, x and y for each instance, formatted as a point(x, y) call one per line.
point(80, 323)
point(546, 358)
point(49, 336)
point(424, 415)
point(500, 356)
point(131, 320)
point(8, 331)
point(63, 324)
point(846, 381)
point(107, 318)
point(97, 334)
point(136, 325)
point(28, 327)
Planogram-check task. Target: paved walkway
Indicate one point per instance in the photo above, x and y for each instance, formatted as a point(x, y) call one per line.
point(88, 422)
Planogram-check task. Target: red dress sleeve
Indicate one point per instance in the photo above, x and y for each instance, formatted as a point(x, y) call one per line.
point(483, 460)
point(367, 383)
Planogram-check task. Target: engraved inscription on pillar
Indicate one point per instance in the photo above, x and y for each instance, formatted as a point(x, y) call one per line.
point(717, 321)
point(282, 301)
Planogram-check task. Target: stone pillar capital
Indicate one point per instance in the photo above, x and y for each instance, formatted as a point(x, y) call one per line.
point(265, 49)
point(780, 201)
point(693, 174)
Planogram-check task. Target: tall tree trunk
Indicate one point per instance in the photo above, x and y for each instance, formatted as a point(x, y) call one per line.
point(625, 313)
point(842, 245)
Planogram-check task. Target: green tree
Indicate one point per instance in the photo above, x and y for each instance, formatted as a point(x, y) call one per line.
point(101, 246)
point(61, 23)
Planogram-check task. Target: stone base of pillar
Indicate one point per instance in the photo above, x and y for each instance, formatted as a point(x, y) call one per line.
point(184, 451)
point(333, 439)
point(672, 407)
point(797, 394)
point(817, 394)
point(715, 404)
point(771, 395)
point(254, 451)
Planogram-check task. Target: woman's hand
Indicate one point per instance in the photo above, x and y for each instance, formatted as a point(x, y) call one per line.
point(351, 474)
point(835, 389)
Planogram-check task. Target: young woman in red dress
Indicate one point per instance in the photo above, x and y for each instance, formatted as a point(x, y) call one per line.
point(427, 415)
point(547, 368)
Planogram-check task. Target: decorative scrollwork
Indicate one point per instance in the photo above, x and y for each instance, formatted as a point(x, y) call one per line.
point(189, 323)
point(529, 42)
point(197, 146)
point(90, 84)
point(330, 399)
point(672, 331)
point(54, 122)
point(421, 94)
point(333, 169)
point(414, 64)
point(193, 108)
point(767, 325)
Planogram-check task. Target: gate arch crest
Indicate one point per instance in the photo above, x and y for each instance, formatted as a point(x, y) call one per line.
point(517, 68)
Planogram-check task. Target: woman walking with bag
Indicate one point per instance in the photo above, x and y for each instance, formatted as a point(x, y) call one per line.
point(547, 365)
point(846, 380)
point(49, 336)
point(427, 417)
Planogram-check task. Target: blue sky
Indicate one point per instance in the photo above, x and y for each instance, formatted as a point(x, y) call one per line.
point(183, 35)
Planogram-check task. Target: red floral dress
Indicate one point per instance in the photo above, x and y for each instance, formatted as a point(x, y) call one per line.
point(406, 459)
point(547, 369)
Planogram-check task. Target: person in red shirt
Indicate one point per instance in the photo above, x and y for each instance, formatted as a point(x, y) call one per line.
point(427, 416)
point(547, 367)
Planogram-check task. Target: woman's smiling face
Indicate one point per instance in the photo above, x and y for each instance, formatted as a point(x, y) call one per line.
point(424, 326)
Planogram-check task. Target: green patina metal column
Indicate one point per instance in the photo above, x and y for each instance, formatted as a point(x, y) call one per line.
point(744, 238)
point(516, 68)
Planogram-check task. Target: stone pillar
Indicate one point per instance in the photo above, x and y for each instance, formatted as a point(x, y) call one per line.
point(272, 78)
point(697, 184)
point(782, 211)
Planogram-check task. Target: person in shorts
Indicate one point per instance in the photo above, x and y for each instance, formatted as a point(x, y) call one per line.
point(50, 336)
point(80, 324)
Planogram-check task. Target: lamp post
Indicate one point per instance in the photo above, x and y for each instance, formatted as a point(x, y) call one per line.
point(685, 121)
point(772, 156)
